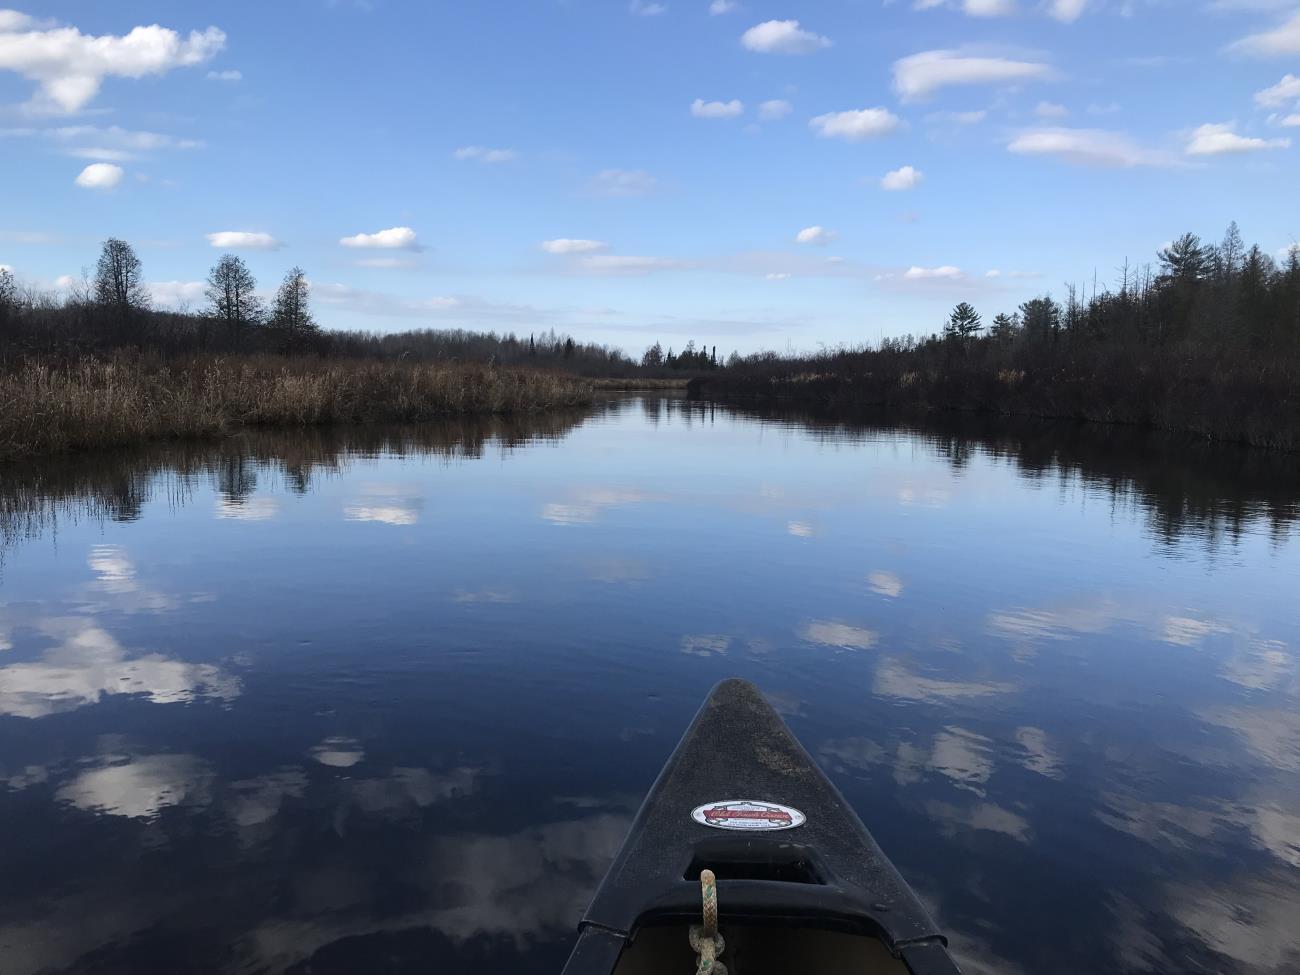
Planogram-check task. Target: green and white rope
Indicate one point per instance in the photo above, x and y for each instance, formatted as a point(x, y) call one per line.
point(705, 940)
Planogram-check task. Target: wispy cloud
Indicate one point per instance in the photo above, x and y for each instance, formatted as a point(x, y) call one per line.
point(1088, 147)
point(630, 264)
point(570, 245)
point(243, 240)
point(1280, 41)
point(921, 75)
point(856, 125)
point(485, 155)
point(394, 238)
point(623, 182)
point(782, 37)
point(1222, 140)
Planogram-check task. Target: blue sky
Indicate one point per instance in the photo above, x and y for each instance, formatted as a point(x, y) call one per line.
point(747, 174)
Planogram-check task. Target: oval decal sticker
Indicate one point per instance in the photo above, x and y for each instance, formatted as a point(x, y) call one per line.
point(747, 814)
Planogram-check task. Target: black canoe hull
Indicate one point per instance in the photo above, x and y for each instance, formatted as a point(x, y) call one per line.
point(826, 872)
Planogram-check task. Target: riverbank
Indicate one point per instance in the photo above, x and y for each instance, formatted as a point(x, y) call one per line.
point(635, 385)
point(1192, 392)
point(128, 399)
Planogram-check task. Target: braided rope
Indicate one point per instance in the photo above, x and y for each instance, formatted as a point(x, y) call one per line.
point(705, 940)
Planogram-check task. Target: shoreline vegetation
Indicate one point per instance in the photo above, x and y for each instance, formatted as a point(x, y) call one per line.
point(130, 398)
point(633, 384)
point(1207, 344)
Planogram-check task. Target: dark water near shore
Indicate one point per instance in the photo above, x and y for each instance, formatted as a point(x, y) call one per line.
point(386, 701)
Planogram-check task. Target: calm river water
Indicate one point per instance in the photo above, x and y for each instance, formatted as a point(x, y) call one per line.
point(387, 701)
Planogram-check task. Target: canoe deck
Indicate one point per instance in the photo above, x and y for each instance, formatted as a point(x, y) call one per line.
point(794, 858)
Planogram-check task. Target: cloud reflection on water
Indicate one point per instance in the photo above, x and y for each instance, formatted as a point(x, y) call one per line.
point(829, 633)
point(894, 679)
point(140, 787)
point(89, 664)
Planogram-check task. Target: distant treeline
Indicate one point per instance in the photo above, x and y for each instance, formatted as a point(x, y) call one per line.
point(113, 310)
point(1207, 342)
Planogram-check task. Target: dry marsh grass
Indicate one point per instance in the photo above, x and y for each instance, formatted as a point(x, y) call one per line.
point(128, 399)
point(633, 384)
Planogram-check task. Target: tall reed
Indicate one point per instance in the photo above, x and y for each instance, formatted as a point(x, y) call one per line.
point(124, 399)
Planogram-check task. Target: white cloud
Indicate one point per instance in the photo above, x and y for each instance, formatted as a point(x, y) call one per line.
point(623, 182)
point(1067, 11)
point(11, 20)
point(972, 8)
point(394, 238)
point(718, 7)
point(1285, 253)
point(1289, 121)
point(176, 294)
point(1050, 110)
point(946, 272)
point(904, 178)
point(1088, 147)
point(1283, 93)
point(246, 240)
point(989, 8)
point(232, 74)
point(643, 8)
point(1220, 140)
point(100, 176)
point(773, 109)
point(855, 125)
point(702, 109)
point(782, 37)
point(818, 236)
point(485, 155)
point(777, 276)
point(69, 67)
point(920, 75)
point(1281, 40)
point(569, 245)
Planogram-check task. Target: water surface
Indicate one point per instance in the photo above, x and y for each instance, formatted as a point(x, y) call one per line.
point(386, 701)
